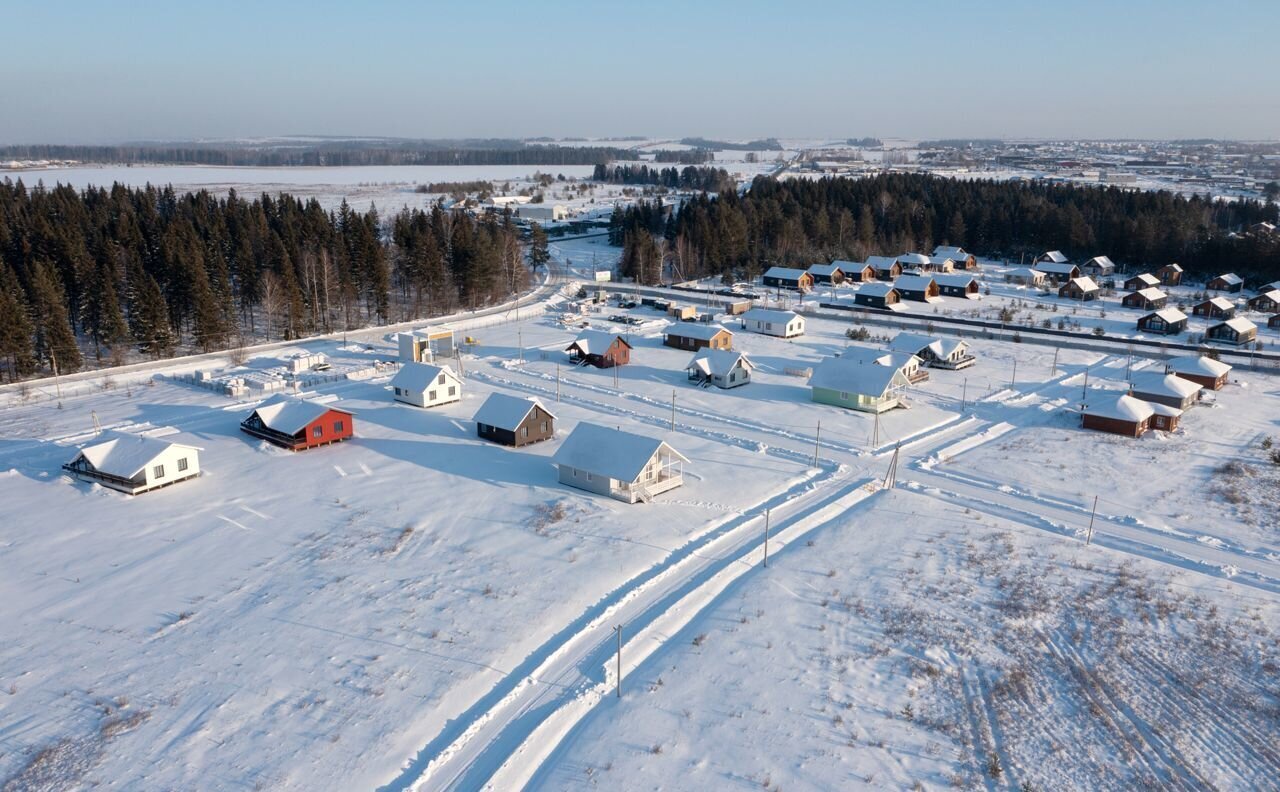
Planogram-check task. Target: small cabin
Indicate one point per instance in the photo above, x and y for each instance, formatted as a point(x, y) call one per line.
point(1167, 389)
point(962, 258)
point(856, 272)
point(1200, 369)
point(1267, 302)
point(787, 278)
point(600, 349)
point(1170, 275)
point(783, 324)
point(134, 464)
point(425, 385)
point(1233, 331)
point(693, 336)
point(831, 274)
point(1149, 299)
point(621, 465)
point(957, 285)
point(1125, 416)
point(1052, 257)
point(1098, 267)
point(299, 424)
point(1228, 282)
point(514, 421)
point(855, 383)
point(885, 267)
point(1215, 308)
point(1083, 289)
point(720, 367)
point(877, 295)
point(1167, 321)
point(920, 288)
point(1144, 281)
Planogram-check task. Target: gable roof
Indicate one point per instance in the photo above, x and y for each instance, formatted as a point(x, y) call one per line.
point(126, 455)
point(1054, 256)
point(1055, 267)
point(1170, 268)
point(914, 259)
point(948, 251)
point(1221, 303)
point(854, 373)
point(847, 266)
point(698, 330)
point(291, 415)
point(1101, 261)
point(957, 279)
point(1197, 364)
point(595, 342)
point(1125, 408)
point(1146, 278)
point(770, 315)
point(1084, 283)
point(1230, 278)
point(1026, 272)
point(876, 289)
point(1240, 325)
point(718, 362)
point(418, 377)
point(505, 411)
point(827, 269)
point(1159, 384)
point(910, 342)
point(881, 262)
point(913, 282)
point(786, 273)
point(604, 451)
point(1150, 293)
point(1271, 294)
point(1170, 315)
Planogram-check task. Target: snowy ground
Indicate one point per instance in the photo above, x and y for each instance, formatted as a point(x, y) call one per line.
point(418, 609)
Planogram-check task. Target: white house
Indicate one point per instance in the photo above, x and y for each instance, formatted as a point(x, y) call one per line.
point(784, 324)
point(935, 351)
point(544, 212)
point(425, 385)
point(135, 463)
point(625, 466)
point(723, 368)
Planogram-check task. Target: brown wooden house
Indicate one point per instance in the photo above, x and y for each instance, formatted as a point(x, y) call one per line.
point(856, 272)
point(1200, 369)
point(1274, 322)
point(1228, 282)
point(1080, 289)
point(1149, 299)
point(600, 349)
point(1233, 331)
point(1267, 302)
point(885, 267)
point(1215, 308)
point(514, 421)
point(962, 258)
point(1170, 275)
point(695, 335)
point(1167, 321)
point(832, 274)
point(787, 278)
point(1144, 281)
point(1125, 416)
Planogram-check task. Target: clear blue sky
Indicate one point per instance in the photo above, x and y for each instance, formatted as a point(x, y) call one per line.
point(76, 71)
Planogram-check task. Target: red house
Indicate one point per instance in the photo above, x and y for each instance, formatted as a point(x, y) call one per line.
point(600, 349)
point(297, 424)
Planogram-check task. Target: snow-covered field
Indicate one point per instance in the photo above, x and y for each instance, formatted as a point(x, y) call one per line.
point(416, 608)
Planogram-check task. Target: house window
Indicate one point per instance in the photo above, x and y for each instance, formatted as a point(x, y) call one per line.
point(844, 396)
point(440, 380)
point(544, 426)
point(182, 464)
point(337, 427)
point(588, 477)
point(398, 393)
point(157, 471)
point(524, 431)
point(733, 377)
point(317, 431)
point(431, 395)
point(453, 389)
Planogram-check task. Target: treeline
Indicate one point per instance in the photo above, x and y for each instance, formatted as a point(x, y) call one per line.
point(331, 154)
point(456, 187)
point(694, 156)
point(687, 178)
point(767, 144)
point(103, 270)
point(800, 221)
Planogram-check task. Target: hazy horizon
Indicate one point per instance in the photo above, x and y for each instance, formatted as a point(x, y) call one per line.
point(81, 73)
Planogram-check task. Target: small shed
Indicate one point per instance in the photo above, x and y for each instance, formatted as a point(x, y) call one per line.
point(1170, 275)
point(1148, 299)
point(1227, 282)
point(885, 267)
point(600, 349)
point(1167, 389)
point(695, 335)
point(921, 288)
point(426, 385)
point(957, 285)
point(1267, 301)
point(426, 344)
point(1200, 369)
point(1233, 331)
point(722, 368)
point(624, 466)
point(1124, 416)
point(832, 274)
point(783, 324)
point(1144, 281)
point(1098, 267)
point(299, 424)
point(877, 295)
point(1166, 321)
point(134, 464)
point(787, 278)
point(1215, 308)
point(513, 420)
point(1083, 289)
point(858, 384)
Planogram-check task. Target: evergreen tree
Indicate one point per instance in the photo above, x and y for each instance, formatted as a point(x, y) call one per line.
point(149, 317)
point(55, 341)
point(539, 254)
point(17, 348)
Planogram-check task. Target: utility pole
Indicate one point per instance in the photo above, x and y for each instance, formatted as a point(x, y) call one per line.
point(964, 393)
point(766, 537)
point(520, 338)
point(56, 382)
point(557, 382)
point(1053, 373)
point(618, 630)
point(1084, 392)
point(615, 375)
point(673, 409)
point(1014, 378)
point(875, 432)
point(1088, 537)
point(817, 438)
point(891, 477)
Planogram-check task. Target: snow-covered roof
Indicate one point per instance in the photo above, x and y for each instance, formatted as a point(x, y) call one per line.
point(1272, 294)
point(913, 282)
point(291, 415)
point(417, 377)
point(1169, 315)
point(827, 269)
point(1085, 284)
point(613, 453)
point(947, 251)
point(769, 315)
point(1165, 409)
point(845, 265)
point(1102, 262)
point(913, 259)
point(718, 362)
point(1151, 293)
point(1158, 384)
point(1055, 267)
point(125, 455)
point(1239, 324)
point(1170, 268)
point(1198, 364)
point(910, 342)
point(881, 262)
point(1221, 303)
point(1055, 256)
point(1230, 278)
point(1274, 286)
point(595, 342)
point(854, 373)
point(505, 411)
point(698, 330)
point(785, 273)
point(1026, 272)
point(955, 279)
point(875, 289)
point(1125, 408)
point(1147, 279)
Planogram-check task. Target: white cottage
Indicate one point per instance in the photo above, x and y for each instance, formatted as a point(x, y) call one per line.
point(723, 368)
point(424, 385)
point(783, 324)
point(625, 466)
point(135, 463)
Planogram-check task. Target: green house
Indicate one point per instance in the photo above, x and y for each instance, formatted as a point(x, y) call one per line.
point(858, 384)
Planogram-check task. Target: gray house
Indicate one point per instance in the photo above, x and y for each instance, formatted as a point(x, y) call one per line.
point(624, 466)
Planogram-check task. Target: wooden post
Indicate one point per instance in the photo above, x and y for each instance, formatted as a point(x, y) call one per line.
point(817, 438)
point(520, 337)
point(964, 393)
point(1014, 378)
point(766, 537)
point(1054, 372)
point(1084, 392)
point(673, 409)
point(1088, 537)
point(618, 630)
point(557, 382)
